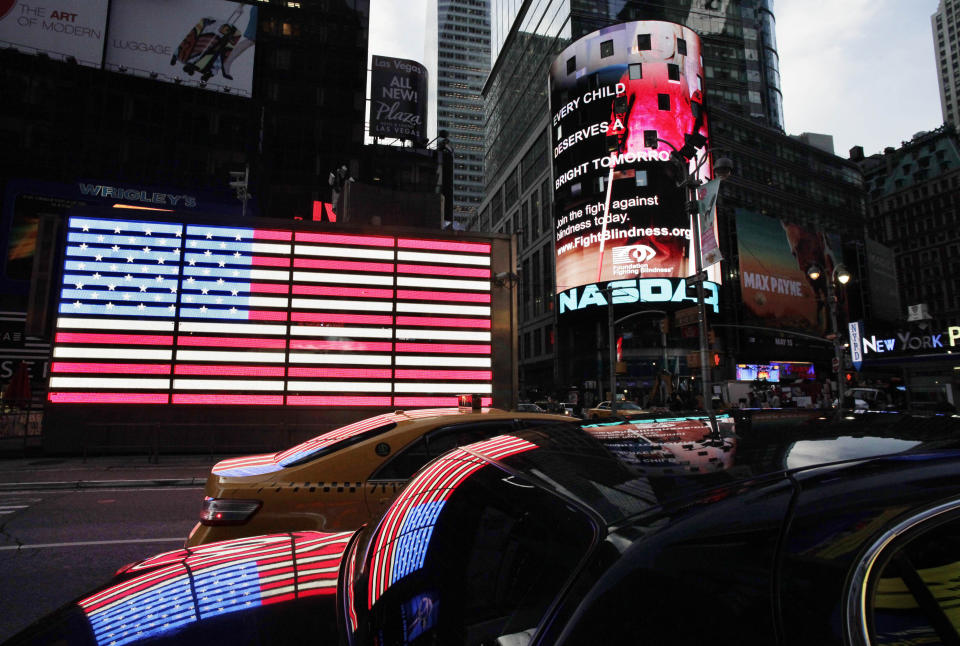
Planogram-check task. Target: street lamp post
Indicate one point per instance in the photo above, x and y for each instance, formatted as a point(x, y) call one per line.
point(688, 180)
point(611, 335)
point(842, 276)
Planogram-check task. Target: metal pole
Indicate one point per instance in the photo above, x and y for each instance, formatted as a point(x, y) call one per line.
point(246, 190)
point(663, 340)
point(613, 354)
point(707, 390)
point(837, 346)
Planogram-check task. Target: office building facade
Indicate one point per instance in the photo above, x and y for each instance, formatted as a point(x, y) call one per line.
point(741, 87)
point(463, 62)
point(945, 23)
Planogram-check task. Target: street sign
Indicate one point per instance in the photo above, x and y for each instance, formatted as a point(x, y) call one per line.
point(686, 316)
point(855, 329)
point(694, 279)
point(835, 364)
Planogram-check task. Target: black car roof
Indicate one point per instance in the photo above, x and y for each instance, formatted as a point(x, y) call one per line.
point(620, 477)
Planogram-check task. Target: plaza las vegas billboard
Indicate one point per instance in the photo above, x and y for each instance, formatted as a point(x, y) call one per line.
point(620, 216)
point(174, 311)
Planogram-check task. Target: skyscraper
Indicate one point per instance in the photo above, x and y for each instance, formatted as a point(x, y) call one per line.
point(463, 61)
point(945, 25)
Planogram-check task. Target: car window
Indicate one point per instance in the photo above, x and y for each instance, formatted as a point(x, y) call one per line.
point(498, 554)
point(435, 443)
point(910, 595)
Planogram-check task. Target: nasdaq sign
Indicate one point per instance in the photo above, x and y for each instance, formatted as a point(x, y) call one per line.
point(637, 290)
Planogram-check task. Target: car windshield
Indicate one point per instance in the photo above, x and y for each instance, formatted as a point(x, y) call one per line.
point(481, 561)
point(628, 406)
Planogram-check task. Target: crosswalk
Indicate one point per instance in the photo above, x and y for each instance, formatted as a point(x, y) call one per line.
point(14, 505)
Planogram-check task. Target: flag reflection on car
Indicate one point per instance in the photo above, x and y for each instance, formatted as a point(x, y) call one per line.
point(403, 537)
point(185, 586)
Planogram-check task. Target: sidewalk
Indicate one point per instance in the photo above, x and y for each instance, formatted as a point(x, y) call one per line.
point(75, 472)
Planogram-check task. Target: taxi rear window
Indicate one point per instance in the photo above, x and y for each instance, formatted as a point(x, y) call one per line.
point(307, 455)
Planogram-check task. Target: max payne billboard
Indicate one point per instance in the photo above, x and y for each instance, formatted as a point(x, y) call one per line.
point(398, 98)
point(620, 215)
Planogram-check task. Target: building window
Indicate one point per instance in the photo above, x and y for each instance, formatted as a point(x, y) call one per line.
point(663, 101)
point(673, 71)
point(643, 42)
point(571, 64)
point(606, 49)
point(682, 46)
point(636, 71)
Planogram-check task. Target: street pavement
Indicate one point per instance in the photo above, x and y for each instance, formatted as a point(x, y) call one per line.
point(39, 472)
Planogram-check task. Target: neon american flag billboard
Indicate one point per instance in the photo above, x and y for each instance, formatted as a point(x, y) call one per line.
point(168, 312)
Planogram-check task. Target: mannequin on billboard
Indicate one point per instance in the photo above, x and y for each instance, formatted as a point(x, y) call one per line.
point(249, 40)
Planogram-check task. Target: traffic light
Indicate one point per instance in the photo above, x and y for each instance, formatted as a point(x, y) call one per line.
point(238, 182)
point(848, 377)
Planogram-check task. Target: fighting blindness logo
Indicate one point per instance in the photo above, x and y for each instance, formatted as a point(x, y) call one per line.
point(633, 254)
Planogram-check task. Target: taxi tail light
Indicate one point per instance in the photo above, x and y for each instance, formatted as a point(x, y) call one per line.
point(226, 511)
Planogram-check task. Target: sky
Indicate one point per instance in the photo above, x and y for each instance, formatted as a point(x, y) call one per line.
point(862, 71)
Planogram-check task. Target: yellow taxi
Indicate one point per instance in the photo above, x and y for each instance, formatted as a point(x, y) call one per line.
point(339, 480)
point(624, 409)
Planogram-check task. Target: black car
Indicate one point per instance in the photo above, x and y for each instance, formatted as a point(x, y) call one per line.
point(820, 531)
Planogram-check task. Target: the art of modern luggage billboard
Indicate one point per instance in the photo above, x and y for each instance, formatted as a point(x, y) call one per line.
point(774, 259)
point(606, 90)
point(203, 43)
point(398, 98)
point(69, 30)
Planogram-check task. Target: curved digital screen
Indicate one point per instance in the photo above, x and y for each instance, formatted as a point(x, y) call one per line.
point(154, 312)
point(620, 213)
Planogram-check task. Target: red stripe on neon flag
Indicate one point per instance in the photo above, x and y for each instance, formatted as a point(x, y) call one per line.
point(341, 265)
point(280, 598)
point(430, 321)
point(339, 238)
point(414, 294)
point(435, 401)
point(256, 400)
point(231, 371)
point(112, 368)
point(341, 318)
point(264, 234)
point(130, 339)
point(474, 375)
point(231, 342)
point(359, 373)
point(435, 270)
point(444, 245)
point(107, 398)
point(269, 261)
point(269, 288)
point(448, 348)
point(333, 400)
point(317, 344)
point(266, 315)
point(320, 290)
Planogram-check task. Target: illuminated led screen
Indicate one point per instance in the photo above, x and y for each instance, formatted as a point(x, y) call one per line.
point(620, 214)
point(176, 313)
